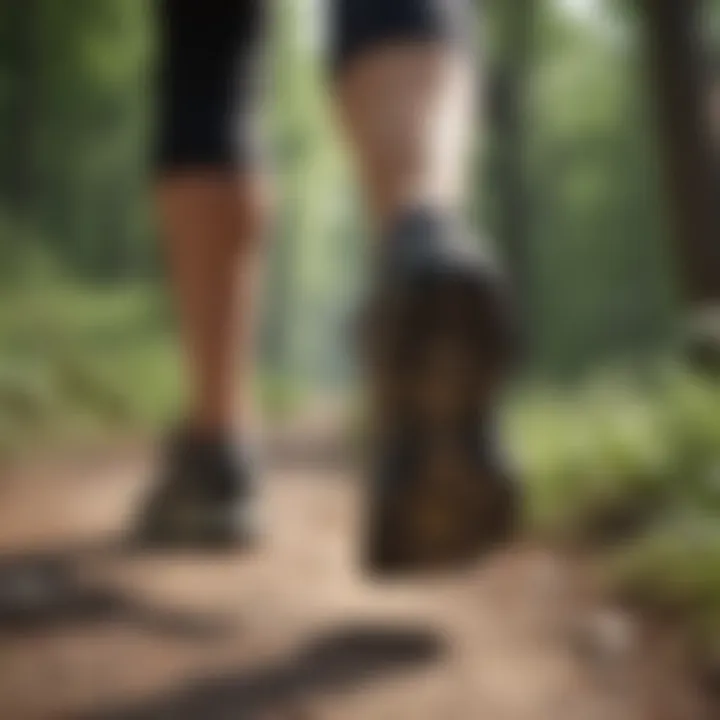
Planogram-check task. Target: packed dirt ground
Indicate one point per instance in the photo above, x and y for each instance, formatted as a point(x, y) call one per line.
point(294, 631)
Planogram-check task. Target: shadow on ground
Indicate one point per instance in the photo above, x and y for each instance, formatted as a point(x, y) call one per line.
point(45, 591)
point(346, 658)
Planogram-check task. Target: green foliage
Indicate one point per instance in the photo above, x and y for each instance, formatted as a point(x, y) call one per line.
point(634, 469)
point(619, 445)
point(601, 279)
point(74, 110)
point(78, 360)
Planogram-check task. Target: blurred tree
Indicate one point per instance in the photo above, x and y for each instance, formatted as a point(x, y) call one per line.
point(601, 273)
point(21, 40)
point(509, 85)
point(74, 115)
point(676, 50)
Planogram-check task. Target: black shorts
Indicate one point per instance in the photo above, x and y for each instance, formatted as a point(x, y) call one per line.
point(211, 57)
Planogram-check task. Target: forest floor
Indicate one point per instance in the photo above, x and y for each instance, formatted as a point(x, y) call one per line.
point(294, 630)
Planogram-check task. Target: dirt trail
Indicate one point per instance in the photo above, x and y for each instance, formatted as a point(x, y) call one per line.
point(294, 631)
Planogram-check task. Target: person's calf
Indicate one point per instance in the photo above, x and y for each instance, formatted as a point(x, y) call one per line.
point(213, 227)
point(406, 109)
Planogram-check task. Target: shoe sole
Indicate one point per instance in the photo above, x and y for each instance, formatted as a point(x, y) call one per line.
point(432, 376)
point(188, 527)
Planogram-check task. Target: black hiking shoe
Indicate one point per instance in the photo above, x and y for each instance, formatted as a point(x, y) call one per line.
point(204, 499)
point(440, 343)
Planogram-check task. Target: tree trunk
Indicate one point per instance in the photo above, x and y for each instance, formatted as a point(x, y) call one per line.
point(509, 78)
point(21, 170)
point(675, 53)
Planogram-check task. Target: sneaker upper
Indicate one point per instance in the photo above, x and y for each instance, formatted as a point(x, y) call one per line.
point(214, 467)
point(204, 494)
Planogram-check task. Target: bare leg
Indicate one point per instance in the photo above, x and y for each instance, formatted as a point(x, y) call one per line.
point(212, 227)
point(407, 110)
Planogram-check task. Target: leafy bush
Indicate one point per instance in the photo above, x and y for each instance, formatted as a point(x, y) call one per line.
point(634, 467)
